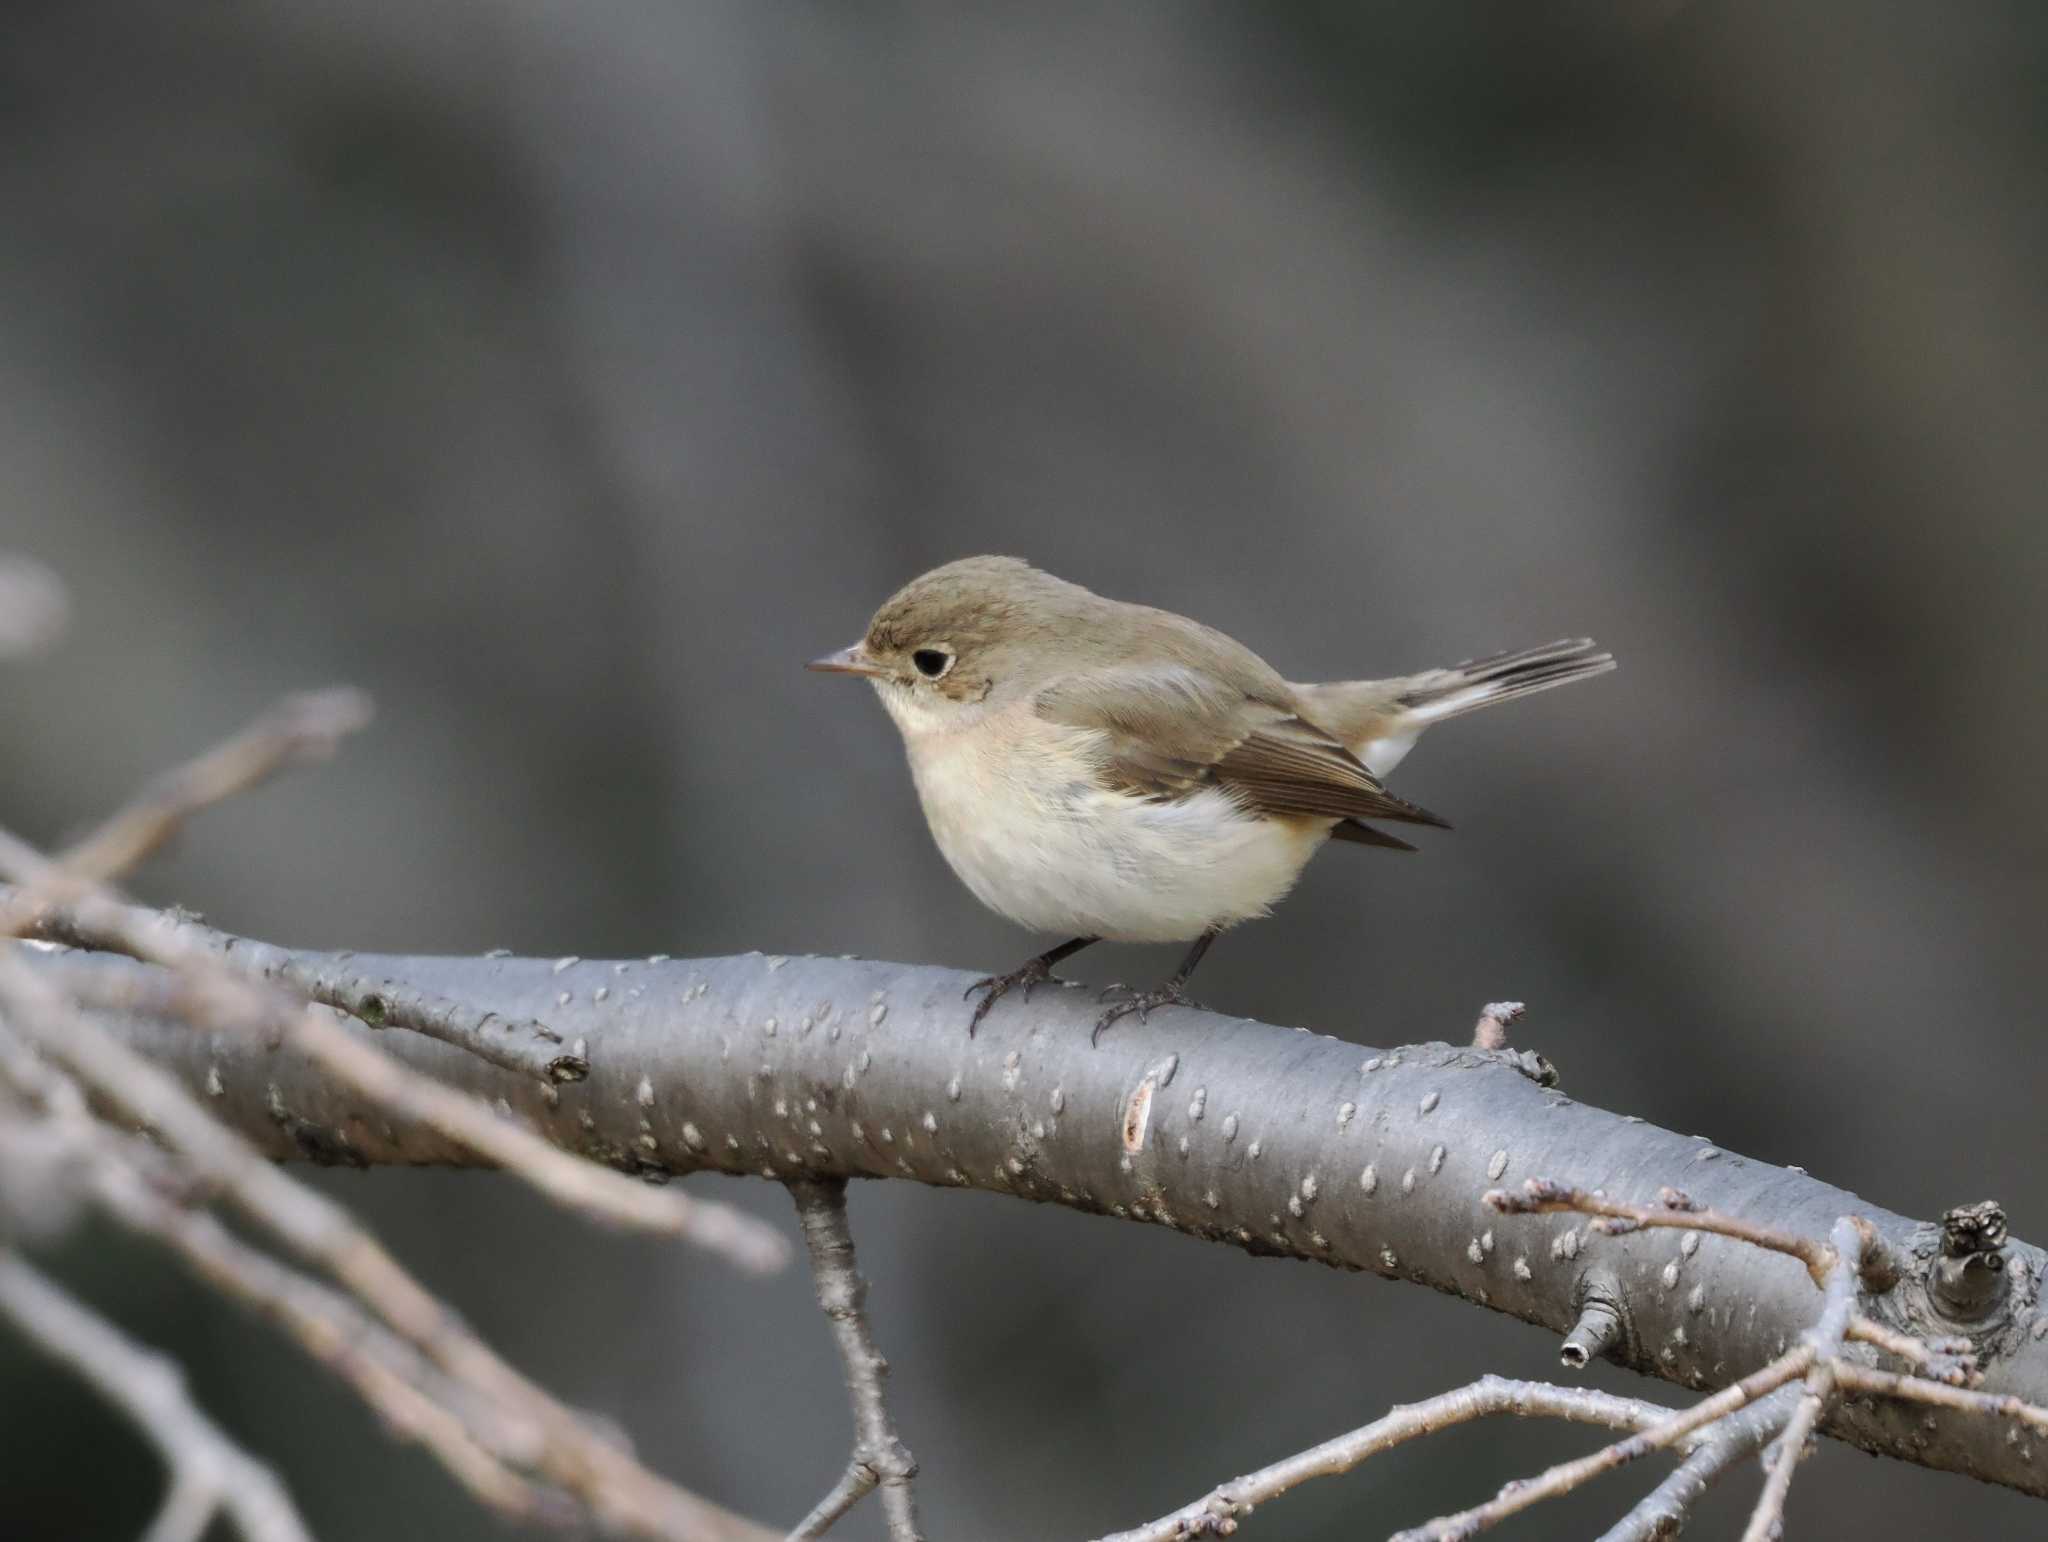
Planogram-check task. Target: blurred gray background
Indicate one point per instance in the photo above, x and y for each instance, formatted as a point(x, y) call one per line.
point(567, 375)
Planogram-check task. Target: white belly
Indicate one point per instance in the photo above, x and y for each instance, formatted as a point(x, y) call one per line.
point(1040, 843)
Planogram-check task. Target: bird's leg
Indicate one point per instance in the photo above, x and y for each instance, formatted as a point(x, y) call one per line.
point(1032, 972)
point(1172, 993)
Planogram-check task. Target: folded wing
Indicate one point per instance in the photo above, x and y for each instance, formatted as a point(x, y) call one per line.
point(1168, 731)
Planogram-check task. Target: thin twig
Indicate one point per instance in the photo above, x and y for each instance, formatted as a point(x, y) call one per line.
point(1540, 1196)
point(1220, 1509)
point(209, 1473)
point(562, 1176)
point(854, 1485)
point(297, 730)
point(1944, 1360)
point(616, 1488)
point(220, 997)
point(1662, 1513)
point(880, 1459)
point(1866, 1382)
point(522, 1045)
point(300, 727)
point(388, 1374)
point(1565, 1477)
point(1838, 1306)
point(617, 1491)
point(134, 1183)
point(1767, 1520)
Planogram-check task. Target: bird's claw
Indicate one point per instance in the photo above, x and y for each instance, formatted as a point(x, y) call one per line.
point(1172, 994)
point(1027, 976)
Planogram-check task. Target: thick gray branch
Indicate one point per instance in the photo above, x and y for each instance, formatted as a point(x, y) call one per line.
point(1275, 1140)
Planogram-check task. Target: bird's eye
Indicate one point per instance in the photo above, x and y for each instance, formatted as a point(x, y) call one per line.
point(932, 662)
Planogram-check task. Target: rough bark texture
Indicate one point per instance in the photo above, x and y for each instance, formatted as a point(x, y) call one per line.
point(1276, 1140)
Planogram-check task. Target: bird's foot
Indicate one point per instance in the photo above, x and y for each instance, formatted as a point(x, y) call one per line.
point(1027, 976)
point(1172, 994)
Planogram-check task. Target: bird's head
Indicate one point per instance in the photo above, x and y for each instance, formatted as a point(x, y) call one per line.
point(954, 642)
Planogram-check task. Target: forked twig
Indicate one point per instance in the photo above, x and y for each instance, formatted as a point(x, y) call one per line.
point(1838, 1303)
point(1566, 1476)
point(480, 1446)
point(1662, 1513)
point(136, 1184)
point(1219, 1510)
point(880, 1459)
point(209, 1474)
point(1786, 1398)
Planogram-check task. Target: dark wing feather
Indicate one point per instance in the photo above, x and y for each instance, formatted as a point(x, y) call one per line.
point(1290, 766)
point(1366, 835)
point(1168, 730)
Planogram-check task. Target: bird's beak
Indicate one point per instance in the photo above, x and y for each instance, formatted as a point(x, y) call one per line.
point(847, 661)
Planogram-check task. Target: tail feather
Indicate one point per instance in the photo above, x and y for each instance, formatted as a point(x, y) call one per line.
point(1441, 693)
point(1379, 720)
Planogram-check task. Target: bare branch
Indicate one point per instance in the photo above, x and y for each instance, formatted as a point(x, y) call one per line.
point(520, 1044)
point(1617, 1218)
point(224, 995)
point(567, 1179)
point(1259, 1137)
point(1838, 1305)
point(133, 1182)
point(1870, 1383)
point(1662, 1513)
point(412, 1399)
point(209, 1473)
point(1718, 1431)
point(299, 729)
point(209, 989)
point(491, 1428)
point(1767, 1520)
point(1222, 1507)
point(879, 1456)
point(214, 992)
point(1948, 1360)
point(854, 1485)
point(1566, 1476)
point(615, 1487)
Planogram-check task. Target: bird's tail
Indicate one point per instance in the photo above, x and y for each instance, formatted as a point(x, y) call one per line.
point(1379, 720)
point(1441, 693)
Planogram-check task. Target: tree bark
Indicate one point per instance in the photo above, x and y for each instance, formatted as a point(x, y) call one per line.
point(1276, 1140)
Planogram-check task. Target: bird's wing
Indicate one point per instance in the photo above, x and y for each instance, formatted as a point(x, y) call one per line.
point(1168, 730)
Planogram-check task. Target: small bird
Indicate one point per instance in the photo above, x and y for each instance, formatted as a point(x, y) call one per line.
point(1107, 770)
